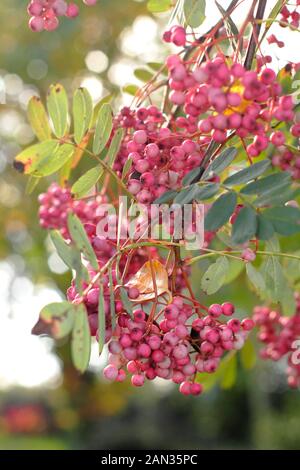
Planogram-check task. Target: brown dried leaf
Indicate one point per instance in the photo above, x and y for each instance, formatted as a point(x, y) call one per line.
point(143, 281)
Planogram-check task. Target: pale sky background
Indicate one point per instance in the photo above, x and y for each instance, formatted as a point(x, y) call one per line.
point(27, 360)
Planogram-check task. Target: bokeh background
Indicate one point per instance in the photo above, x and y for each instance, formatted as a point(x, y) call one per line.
point(44, 403)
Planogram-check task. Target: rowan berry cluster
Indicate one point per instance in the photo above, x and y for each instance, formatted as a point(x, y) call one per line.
point(279, 334)
point(44, 14)
point(290, 15)
point(287, 160)
point(220, 98)
point(175, 346)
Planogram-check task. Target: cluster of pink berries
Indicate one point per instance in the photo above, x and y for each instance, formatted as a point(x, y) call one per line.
point(174, 346)
point(237, 100)
point(44, 14)
point(160, 157)
point(287, 160)
point(290, 17)
point(57, 202)
point(279, 333)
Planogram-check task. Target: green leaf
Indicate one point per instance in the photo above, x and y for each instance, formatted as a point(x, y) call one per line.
point(64, 250)
point(245, 226)
point(71, 256)
point(130, 89)
point(207, 191)
point(194, 12)
point(24, 161)
point(82, 113)
point(191, 177)
point(57, 104)
point(81, 340)
point(101, 320)
point(236, 266)
point(49, 164)
point(214, 278)
point(87, 181)
point(276, 197)
point(80, 238)
point(249, 173)
point(59, 316)
point(274, 278)
point(256, 278)
point(285, 219)
point(220, 211)
point(248, 355)
point(229, 373)
point(103, 128)
point(38, 119)
point(276, 180)
point(187, 195)
point(265, 229)
point(220, 163)
point(143, 75)
point(168, 196)
point(159, 6)
point(126, 168)
point(114, 147)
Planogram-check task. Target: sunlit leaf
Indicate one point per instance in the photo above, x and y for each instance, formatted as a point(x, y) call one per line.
point(50, 164)
point(57, 105)
point(87, 181)
point(38, 119)
point(24, 161)
point(82, 113)
point(104, 125)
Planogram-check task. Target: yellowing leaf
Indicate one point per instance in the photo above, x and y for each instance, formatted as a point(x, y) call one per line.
point(143, 281)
